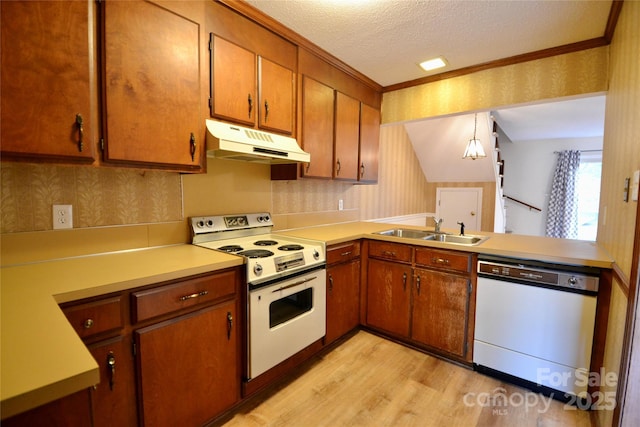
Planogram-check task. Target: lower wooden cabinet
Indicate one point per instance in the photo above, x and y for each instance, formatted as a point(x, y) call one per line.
point(441, 311)
point(343, 299)
point(424, 299)
point(113, 400)
point(188, 368)
point(389, 296)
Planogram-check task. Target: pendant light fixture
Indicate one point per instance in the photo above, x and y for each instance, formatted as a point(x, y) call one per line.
point(474, 148)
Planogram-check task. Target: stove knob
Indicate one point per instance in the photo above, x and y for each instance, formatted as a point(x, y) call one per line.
point(573, 281)
point(210, 223)
point(200, 224)
point(257, 269)
point(316, 254)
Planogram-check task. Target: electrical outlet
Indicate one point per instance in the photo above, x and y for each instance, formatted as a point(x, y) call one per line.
point(340, 204)
point(62, 216)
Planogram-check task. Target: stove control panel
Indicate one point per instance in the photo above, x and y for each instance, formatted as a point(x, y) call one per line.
point(201, 225)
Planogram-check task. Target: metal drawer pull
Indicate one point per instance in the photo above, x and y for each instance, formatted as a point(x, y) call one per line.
point(111, 362)
point(88, 324)
point(440, 260)
point(196, 295)
point(293, 285)
point(79, 125)
point(389, 253)
point(229, 324)
point(345, 253)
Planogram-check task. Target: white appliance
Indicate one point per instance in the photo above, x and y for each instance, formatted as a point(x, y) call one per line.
point(286, 284)
point(535, 323)
point(235, 142)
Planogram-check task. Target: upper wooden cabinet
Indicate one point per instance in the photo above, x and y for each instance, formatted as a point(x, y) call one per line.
point(48, 97)
point(233, 82)
point(152, 85)
point(317, 128)
point(347, 134)
point(233, 88)
point(369, 143)
point(277, 96)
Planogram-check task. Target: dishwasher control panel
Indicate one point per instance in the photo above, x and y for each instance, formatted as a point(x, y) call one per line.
point(542, 276)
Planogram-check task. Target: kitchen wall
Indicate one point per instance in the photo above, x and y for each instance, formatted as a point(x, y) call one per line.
point(528, 174)
point(621, 156)
point(543, 79)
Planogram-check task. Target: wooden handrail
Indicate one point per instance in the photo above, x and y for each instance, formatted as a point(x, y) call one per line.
point(523, 203)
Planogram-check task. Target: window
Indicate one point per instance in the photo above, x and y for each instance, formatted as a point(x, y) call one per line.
point(588, 191)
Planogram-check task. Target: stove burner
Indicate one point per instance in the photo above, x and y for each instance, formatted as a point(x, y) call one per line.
point(291, 247)
point(256, 253)
point(265, 243)
point(231, 248)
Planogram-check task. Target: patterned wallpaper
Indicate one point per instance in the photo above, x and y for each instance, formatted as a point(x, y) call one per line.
point(99, 196)
point(562, 75)
point(402, 187)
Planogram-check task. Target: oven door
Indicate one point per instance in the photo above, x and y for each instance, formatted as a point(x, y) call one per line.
point(284, 318)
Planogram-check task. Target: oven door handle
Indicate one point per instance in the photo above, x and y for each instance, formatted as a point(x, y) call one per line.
point(293, 285)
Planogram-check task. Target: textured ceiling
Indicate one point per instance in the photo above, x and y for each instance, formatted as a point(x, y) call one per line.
point(386, 39)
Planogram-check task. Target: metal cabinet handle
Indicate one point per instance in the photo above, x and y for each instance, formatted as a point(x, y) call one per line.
point(266, 110)
point(88, 324)
point(194, 295)
point(330, 283)
point(389, 254)
point(229, 325)
point(79, 125)
point(361, 170)
point(250, 101)
point(418, 284)
point(440, 261)
point(111, 364)
point(345, 253)
point(339, 167)
point(192, 146)
point(404, 281)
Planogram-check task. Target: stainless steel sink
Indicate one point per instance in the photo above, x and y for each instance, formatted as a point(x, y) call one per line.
point(459, 240)
point(467, 240)
point(406, 232)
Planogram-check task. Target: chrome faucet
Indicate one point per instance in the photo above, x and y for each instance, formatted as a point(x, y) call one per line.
point(438, 223)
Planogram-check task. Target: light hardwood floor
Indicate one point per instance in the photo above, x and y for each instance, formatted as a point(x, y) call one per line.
point(370, 381)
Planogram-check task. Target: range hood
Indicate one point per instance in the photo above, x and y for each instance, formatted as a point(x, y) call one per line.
point(234, 142)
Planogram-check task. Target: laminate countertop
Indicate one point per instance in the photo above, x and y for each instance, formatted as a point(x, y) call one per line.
point(42, 358)
point(558, 251)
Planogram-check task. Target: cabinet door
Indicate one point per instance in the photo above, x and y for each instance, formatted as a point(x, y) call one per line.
point(47, 80)
point(347, 133)
point(113, 401)
point(233, 82)
point(317, 128)
point(441, 311)
point(369, 143)
point(276, 85)
point(187, 367)
point(388, 296)
point(343, 299)
point(152, 87)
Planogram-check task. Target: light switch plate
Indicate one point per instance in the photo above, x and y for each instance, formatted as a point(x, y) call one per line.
point(62, 216)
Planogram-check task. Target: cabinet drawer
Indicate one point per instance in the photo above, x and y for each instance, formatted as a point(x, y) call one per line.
point(95, 317)
point(446, 260)
point(390, 251)
point(343, 252)
point(176, 296)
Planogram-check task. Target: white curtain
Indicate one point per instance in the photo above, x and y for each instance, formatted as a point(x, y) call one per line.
point(562, 215)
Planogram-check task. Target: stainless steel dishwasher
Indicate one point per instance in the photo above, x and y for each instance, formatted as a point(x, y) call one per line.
point(534, 324)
